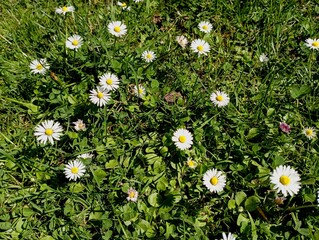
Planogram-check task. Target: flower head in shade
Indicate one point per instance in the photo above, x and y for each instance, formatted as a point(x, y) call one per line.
point(74, 170)
point(132, 195)
point(219, 99)
point(117, 28)
point(79, 125)
point(139, 91)
point(284, 127)
point(182, 41)
point(263, 58)
point(214, 180)
point(230, 236)
point(191, 163)
point(85, 156)
point(109, 81)
point(286, 180)
point(123, 5)
point(312, 43)
point(310, 132)
point(200, 46)
point(39, 66)
point(205, 27)
point(74, 42)
point(280, 200)
point(64, 10)
point(183, 139)
point(99, 96)
point(137, 1)
point(148, 56)
point(48, 131)
point(318, 197)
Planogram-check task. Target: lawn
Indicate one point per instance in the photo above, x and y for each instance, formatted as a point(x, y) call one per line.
point(155, 119)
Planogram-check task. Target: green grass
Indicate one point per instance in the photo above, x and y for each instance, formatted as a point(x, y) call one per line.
point(131, 138)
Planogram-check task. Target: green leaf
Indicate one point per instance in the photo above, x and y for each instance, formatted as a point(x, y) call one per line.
point(99, 175)
point(111, 164)
point(27, 212)
point(253, 132)
point(231, 204)
point(77, 188)
point(252, 203)
point(72, 135)
point(240, 197)
point(19, 225)
point(298, 91)
point(5, 225)
point(153, 199)
point(154, 85)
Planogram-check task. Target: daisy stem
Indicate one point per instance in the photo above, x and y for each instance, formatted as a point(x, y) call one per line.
point(291, 209)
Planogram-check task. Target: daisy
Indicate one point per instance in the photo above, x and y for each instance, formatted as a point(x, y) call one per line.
point(200, 46)
point(132, 195)
point(280, 200)
point(48, 130)
point(75, 169)
point(214, 180)
point(148, 56)
point(220, 99)
point(205, 27)
point(309, 132)
point(137, 1)
point(229, 237)
point(117, 28)
point(191, 163)
point(39, 66)
point(79, 125)
point(183, 139)
point(139, 91)
point(312, 43)
point(286, 180)
point(123, 5)
point(109, 81)
point(318, 197)
point(284, 127)
point(85, 156)
point(74, 42)
point(182, 41)
point(263, 58)
point(64, 10)
point(99, 96)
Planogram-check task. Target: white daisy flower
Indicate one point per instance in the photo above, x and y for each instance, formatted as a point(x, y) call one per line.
point(182, 41)
point(123, 5)
point(39, 66)
point(263, 58)
point(318, 197)
point(312, 43)
point(132, 195)
point(85, 156)
point(286, 180)
point(148, 56)
point(310, 132)
point(214, 180)
point(140, 91)
point(117, 28)
point(200, 46)
point(230, 236)
point(191, 163)
point(79, 125)
point(137, 1)
point(109, 81)
point(48, 130)
point(183, 139)
point(205, 27)
point(74, 42)
point(64, 10)
point(74, 170)
point(220, 99)
point(99, 96)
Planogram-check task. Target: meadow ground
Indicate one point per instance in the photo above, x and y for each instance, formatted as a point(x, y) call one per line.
point(159, 119)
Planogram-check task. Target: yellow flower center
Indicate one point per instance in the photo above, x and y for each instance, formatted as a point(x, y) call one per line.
point(39, 66)
point(309, 132)
point(132, 194)
point(191, 163)
point(74, 170)
point(182, 139)
point(205, 27)
point(315, 44)
point(109, 81)
point(75, 42)
point(123, 4)
point(214, 180)
point(284, 180)
point(140, 91)
point(219, 98)
point(149, 56)
point(48, 131)
point(100, 95)
point(117, 29)
point(200, 48)
point(65, 9)
point(81, 126)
